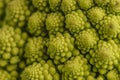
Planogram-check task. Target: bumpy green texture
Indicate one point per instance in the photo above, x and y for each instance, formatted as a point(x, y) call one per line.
point(41, 5)
point(93, 78)
point(95, 14)
point(34, 49)
point(118, 18)
point(60, 39)
point(55, 22)
point(90, 77)
point(2, 7)
point(54, 4)
point(75, 21)
point(86, 40)
point(17, 13)
point(100, 77)
point(104, 56)
point(4, 75)
point(40, 71)
point(114, 7)
point(3, 4)
point(60, 47)
point(113, 75)
point(36, 24)
point(109, 27)
point(68, 5)
point(85, 4)
point(11, 47)
point(101, 2)
point(76, 68)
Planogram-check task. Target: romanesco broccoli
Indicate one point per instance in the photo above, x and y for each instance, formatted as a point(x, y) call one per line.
point(59, 39)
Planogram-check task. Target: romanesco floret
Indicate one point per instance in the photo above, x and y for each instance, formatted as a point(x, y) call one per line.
point(11, 47)
point(68, 5)
point(34, 49)
point(104, 56)
point(4, 75)
point(36, 24)
point(74, 22)
point(40, 71)
point(90, 78)
point(85, 4)
point(109, 27)
point(113, 75)
point(76, 68)
point(95, 15)
point(113, 7)
point(101, 3)
point(60, 47)
point(86, 40)
point(54, 4)
point(100, 77)
point(17, 13)
point(41, 5)
point(55, 22)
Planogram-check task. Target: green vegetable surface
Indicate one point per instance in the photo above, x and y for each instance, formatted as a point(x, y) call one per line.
point(59, 39)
